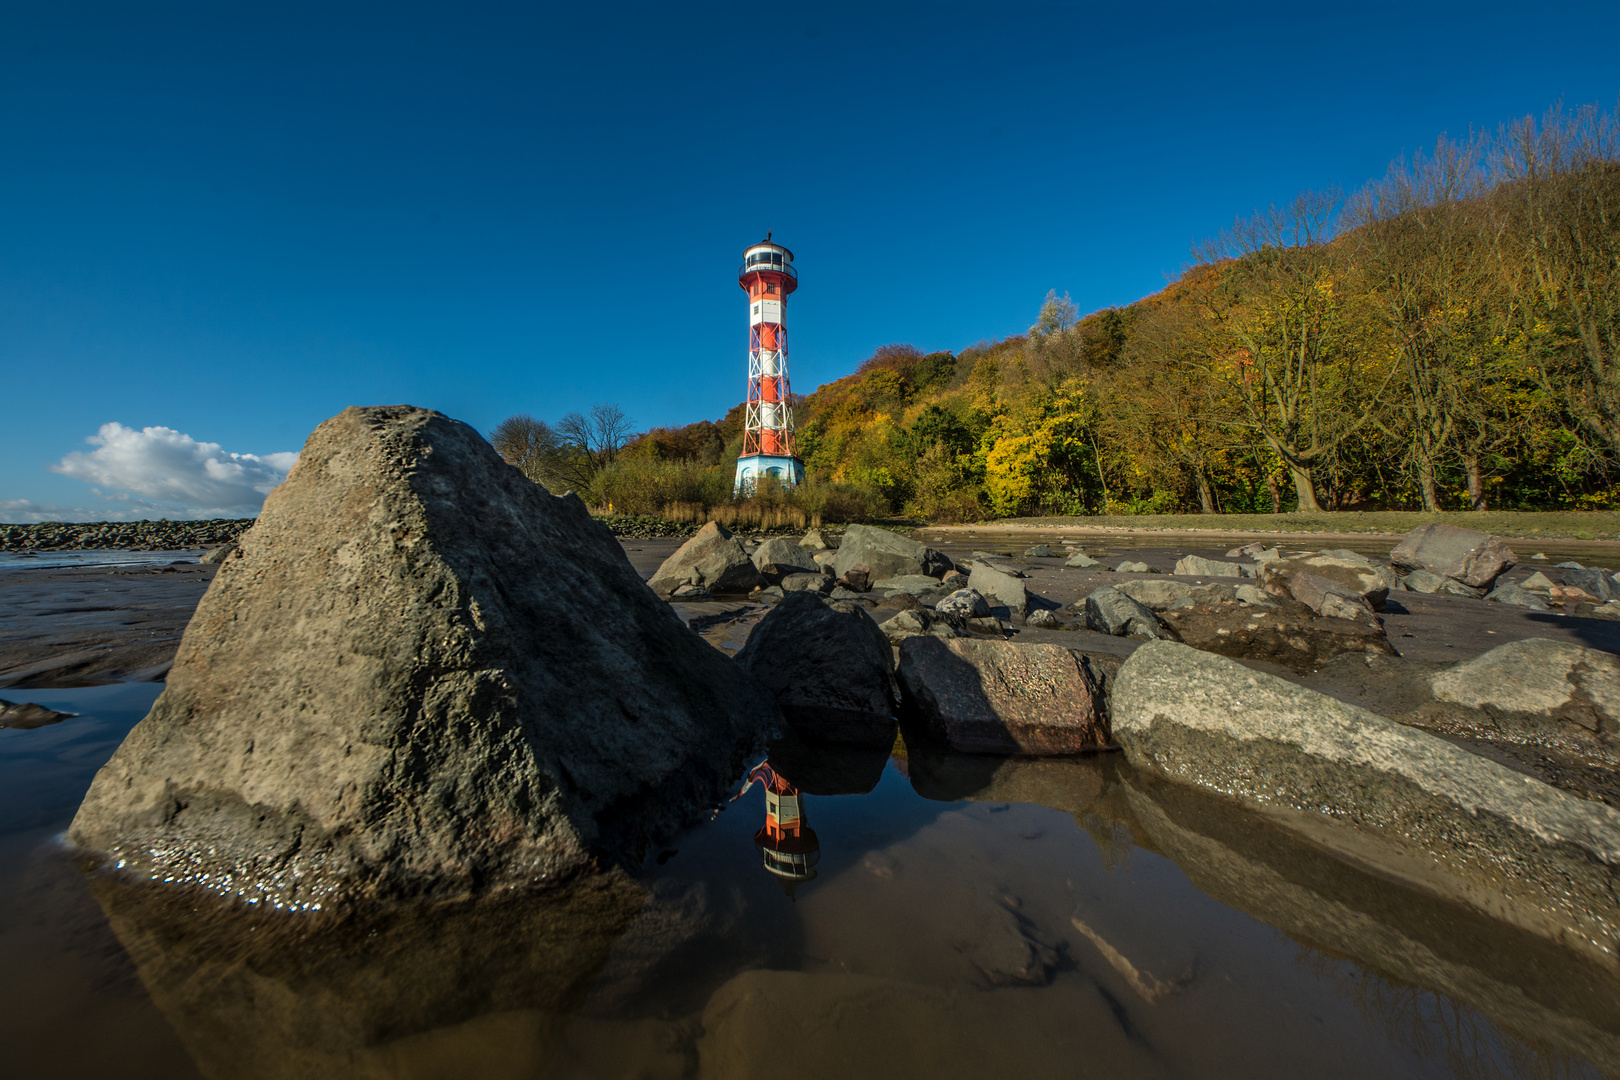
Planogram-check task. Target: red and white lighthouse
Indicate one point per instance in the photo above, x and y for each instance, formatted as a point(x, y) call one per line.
point(767, 276)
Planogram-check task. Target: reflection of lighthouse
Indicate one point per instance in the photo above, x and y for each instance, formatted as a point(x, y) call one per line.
point(787, 841)
point(767, 275)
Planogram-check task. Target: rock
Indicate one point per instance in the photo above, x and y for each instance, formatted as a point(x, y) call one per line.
point(1466, 555)
point(829, 667)
point(883, 554)
point(1110, 611)
point(1161, 595)
point(1040, 551)
point(691, 593)
point(1133, 568)
point(26, 715)
point(824, 560)
point(920, 622)
point(1284, 633)
point(1537, 582)
point(995, 697)
point(1043, 618)
point(1080, 561)
point(1354, 574)
point(1423, 582)
point(1247, 551)
point(780, 556)
point(987, 624)
point(899, 601)
point(855, 580)
point(1594, 583)
point(1254, 594)
point(1540, 556)
point(713, 559)
point(964, 603)
point(1329, 598)
point(954, 580)
point(770, 592)
point(1517, 595)
point(1423, 810)
point(390, 691)
point(816, 540)
point(916, 584)
point(999, 589)
point(1537, 687)
point(997, 562)
point(815, 583)
point(1610, 610)
point(1569, 566)
point(841, 593)
point(215, 556)
point(1195, 566)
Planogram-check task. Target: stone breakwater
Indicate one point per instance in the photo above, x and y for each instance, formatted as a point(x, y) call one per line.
point(131, 535)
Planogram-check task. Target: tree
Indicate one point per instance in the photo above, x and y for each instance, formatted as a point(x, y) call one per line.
point(566, 457)
point(1273, 332)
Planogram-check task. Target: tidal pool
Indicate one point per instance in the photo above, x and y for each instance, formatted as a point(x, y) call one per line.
point(911, 915)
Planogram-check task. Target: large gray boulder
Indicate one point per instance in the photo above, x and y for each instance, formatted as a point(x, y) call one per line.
point(1466, 555)
point(1425, 811)
point(714, 560)
point(1594, 583)
point(1110, 611)
point(999, 588)
point(1329, 598)
point(1161, 594)
point(389, 691)
point(778, 556)
point(885, 554)
point(995, 697)
point(1198, 566)
point(1539, 692)
point(829, 667)
point(1284, 632)
point(1352, 574)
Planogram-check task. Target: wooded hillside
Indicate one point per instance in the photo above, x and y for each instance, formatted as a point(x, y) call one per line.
point(1446, 338)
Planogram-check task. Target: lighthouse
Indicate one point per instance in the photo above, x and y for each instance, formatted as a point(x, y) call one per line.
point(789, 845)
point(768, 277)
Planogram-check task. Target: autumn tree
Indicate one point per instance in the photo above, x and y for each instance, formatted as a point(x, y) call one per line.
point(1273, 332)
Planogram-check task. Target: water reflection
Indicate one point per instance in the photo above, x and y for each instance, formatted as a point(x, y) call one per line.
point(459, 989)
point(790, 846)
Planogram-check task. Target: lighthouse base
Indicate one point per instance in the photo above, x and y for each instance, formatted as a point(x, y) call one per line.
point(784, 470)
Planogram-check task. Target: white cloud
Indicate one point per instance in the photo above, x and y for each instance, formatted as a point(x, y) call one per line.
point(160, 472)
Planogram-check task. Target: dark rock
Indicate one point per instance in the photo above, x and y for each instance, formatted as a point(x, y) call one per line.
point(390, 692)
point(1594, 583)
point(830, 668)
point(919, 621)
point(1466, 555)
point(1508, 593)
point(815, 583)
point(995, 697)
point(691, 594)
point(1039, 551)
point(25, 716)
point(856, 579)
point(954, 580)
point(1110, 611)
point(713, 559)
point(884, 554)
point(1285, 633)
point(1423, 810)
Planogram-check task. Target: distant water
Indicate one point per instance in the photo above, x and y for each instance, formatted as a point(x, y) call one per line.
point(19, 560)
point(959, 917)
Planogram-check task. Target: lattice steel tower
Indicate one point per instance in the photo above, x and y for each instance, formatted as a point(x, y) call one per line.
point(767, 276)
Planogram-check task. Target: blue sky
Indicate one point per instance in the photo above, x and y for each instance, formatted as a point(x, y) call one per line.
point(229, 222)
